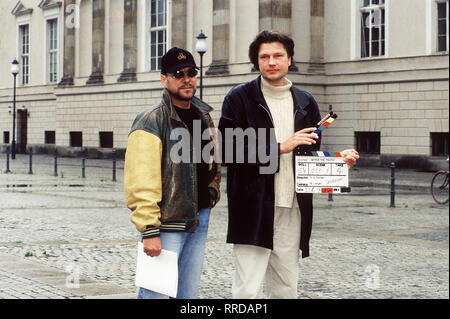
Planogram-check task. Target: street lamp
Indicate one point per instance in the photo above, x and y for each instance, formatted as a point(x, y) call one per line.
point(201, 47)
point(14, 71)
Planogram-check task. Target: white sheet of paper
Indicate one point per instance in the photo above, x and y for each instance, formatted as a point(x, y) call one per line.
point(159, 274)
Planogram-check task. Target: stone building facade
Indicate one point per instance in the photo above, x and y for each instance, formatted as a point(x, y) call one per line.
point(87, 67)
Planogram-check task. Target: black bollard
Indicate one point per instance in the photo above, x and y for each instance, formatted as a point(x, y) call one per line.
point(7, 160)
point(83, 164)
point(55, 165)
point(30, 170)
point(392, 185)
point(114, 165)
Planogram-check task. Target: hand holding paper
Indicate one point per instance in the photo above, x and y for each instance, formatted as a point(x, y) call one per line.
point(159, 274)
point(152, 246)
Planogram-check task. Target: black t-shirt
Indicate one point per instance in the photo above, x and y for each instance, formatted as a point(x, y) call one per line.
point(188, 116)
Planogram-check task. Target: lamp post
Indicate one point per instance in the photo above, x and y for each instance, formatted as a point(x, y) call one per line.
point(201, 47)
point(14, 71)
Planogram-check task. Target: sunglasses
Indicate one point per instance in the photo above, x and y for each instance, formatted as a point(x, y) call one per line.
point(180, 74)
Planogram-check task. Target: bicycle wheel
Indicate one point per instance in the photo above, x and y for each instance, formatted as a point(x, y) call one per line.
point(439, 187)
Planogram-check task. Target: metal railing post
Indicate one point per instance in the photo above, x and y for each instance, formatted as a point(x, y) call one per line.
point(392, 185)
point(83, 164)
point(7, 160)
point(30, 170)
point(55, 163)
point(114, 165)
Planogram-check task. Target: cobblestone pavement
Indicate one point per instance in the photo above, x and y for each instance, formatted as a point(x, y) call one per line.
point(70, 237)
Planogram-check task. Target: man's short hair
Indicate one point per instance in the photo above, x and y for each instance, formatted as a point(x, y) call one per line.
point(269, 37)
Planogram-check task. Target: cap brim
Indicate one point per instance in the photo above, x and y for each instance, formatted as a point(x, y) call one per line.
point(181, 66)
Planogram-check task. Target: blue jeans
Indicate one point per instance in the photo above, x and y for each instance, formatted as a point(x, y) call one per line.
point(190, 248)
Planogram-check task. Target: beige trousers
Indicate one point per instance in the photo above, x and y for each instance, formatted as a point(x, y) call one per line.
point(277, 267)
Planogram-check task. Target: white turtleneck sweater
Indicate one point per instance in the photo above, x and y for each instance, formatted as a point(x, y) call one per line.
point(281, 106)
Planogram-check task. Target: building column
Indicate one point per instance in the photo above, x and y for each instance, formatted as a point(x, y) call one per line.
point(129, 41)
point(276, 15)
point(69, 43)
point(221, 38)
point(98, 42)
point(316, 63)
point(179, 24)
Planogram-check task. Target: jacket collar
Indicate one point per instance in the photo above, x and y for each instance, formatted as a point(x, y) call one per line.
point(201, 107)
point(301, 100)
point(255, 92)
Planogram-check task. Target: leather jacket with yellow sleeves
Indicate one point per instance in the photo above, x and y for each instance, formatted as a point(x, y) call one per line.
point(162, 194)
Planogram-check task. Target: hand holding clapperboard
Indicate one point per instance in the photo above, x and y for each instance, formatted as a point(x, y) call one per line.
point(321, 172)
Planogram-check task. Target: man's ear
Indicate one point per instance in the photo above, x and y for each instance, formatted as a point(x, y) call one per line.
point(290, 61)
point(164, 80)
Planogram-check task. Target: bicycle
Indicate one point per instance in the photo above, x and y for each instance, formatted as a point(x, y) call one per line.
point(439, 186)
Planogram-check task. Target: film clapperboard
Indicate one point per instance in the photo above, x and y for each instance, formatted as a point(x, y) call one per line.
point(321, 172)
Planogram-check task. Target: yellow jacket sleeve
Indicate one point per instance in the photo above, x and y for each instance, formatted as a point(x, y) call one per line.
point(142, 179)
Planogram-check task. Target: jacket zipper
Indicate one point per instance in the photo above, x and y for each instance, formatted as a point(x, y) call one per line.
point(270, 115)
point(195, 171)
point(295, 150)
point(195, 165)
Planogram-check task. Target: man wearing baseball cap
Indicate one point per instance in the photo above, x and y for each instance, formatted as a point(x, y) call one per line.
point(171, 200)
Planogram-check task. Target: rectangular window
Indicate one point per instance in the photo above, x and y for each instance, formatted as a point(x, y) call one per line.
point(24, 49)
point(52, 50)
point(5, 137)
point(106, 139)
point(76, 139)
point(442, 26)
point(373, 28)
point(49, 137)
point(158, 32)
point(368, 142)
point(439, 144)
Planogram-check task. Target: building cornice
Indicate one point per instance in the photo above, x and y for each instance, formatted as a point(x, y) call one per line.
point(20, 10)
point(49, 4)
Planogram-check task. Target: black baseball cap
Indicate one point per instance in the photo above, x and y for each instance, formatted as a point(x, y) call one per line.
point(176, 59)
